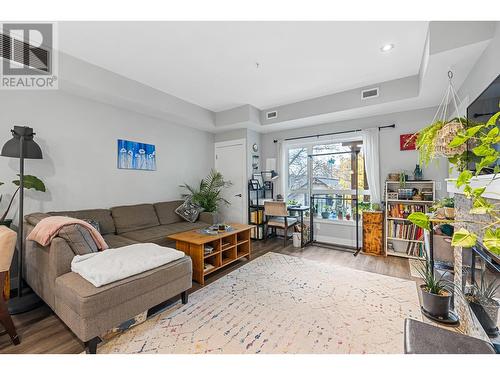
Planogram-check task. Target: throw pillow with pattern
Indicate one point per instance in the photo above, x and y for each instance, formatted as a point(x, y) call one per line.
point(189, 211)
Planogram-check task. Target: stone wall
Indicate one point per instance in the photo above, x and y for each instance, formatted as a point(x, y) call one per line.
point(469, 324)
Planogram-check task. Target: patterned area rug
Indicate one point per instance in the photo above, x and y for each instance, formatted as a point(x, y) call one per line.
point(282, 304)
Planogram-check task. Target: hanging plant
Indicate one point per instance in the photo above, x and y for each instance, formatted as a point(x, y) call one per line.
point(449, 138)
point(485, 137)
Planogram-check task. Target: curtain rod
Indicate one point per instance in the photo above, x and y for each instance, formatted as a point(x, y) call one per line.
point(325, 134)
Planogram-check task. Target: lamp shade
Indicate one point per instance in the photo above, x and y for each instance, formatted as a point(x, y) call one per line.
point(31, 150)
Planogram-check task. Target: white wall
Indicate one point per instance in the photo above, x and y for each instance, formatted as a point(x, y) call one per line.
point(78, 138)
point(486, 69)
point(391, 158)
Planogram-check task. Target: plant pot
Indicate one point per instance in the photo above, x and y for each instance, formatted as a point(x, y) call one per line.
point(487, 316)
point(7, 223)
point(325, 215)
point(436, 305)
point(449, 212)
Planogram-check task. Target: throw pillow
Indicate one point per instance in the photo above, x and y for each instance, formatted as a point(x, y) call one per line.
point(189, 211)
point(79, 239)
point(94, 223)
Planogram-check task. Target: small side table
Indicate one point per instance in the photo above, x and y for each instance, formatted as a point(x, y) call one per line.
point(301, 210)
point(373, 233)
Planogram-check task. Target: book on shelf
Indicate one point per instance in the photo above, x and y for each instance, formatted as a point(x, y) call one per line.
point(404, 231)
point(256, 217)
point(415, 249)
point(256, 232)
point(208, 267)
point(208, 249)
point(402, 210)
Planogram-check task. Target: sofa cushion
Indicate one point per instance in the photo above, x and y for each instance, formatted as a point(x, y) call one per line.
point(166, 212)
point(159, 234)
point(79, 239)
point(102, 216)
point(87, 301)
point(135, 217)
point(114, 241)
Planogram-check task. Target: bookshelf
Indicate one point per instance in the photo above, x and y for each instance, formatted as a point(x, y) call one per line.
point(256, 199)
point(402, 238)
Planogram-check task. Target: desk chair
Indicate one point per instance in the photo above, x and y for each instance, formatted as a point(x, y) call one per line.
point(277, 217)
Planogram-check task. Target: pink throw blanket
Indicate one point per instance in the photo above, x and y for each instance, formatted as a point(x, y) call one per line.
point(48, 228)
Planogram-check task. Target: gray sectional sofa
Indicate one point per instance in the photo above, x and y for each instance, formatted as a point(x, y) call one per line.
point(89, 311)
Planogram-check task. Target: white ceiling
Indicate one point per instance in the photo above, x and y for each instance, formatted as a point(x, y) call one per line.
point(213, 64)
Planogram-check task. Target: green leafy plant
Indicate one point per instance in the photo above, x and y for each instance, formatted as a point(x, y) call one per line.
point(484, 292)
point(208, 194)
point(432, 284)
point(444, 202)
point(30, 182)
point(426, 142)
point(484, 137)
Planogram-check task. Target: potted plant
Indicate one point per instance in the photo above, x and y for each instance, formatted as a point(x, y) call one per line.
point(436, 298)
point(30, 182)
point(481, 298)
point(209, 194)
point(327, 210)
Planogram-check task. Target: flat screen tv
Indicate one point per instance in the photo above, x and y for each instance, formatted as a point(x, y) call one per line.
point(479, 111)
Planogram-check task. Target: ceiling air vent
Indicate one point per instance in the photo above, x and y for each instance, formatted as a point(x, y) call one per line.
point(369, 93)
point(272, 115)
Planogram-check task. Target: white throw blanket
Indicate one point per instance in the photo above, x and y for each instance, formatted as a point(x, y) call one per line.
point(111, 265)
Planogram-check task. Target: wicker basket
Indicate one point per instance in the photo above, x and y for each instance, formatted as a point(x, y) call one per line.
point(445, 135)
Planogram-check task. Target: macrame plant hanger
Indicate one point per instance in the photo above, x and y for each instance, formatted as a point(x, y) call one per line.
point(450, 128)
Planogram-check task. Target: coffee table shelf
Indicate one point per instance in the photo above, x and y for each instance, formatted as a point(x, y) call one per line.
point(228, 247)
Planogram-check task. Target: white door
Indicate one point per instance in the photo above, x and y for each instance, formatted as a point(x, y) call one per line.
point(230, 160)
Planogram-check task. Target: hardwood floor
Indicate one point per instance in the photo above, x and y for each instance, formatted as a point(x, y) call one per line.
point(41, 331)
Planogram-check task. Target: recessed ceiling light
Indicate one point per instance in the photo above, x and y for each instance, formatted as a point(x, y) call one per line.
point(387, 47)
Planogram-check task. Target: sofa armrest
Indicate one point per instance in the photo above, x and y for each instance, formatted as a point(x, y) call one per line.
point(209, 217)
point(43, 264)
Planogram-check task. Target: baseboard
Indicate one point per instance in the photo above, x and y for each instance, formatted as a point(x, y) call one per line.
point(337, 241)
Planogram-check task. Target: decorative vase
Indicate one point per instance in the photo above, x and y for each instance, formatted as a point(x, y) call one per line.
point(348, 217)
point(417, 173)
point(340, 215)
point(325, 215)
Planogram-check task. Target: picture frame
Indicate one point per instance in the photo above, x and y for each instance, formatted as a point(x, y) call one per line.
point(255, 184)
point(407, 142)
point(258, 177)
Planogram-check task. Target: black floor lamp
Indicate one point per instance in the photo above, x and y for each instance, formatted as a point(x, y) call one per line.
point(22, 146)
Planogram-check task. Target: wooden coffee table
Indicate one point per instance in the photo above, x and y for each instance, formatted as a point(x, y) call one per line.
point(228, 247)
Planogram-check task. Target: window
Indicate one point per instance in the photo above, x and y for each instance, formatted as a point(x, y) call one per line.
point(330, 170)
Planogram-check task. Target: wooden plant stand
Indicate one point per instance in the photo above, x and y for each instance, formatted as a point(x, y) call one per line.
point(228, 247)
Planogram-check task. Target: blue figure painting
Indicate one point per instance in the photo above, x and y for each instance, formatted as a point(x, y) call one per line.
point(135, 155)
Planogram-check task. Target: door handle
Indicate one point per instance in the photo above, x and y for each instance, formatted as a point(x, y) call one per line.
point(238, 195)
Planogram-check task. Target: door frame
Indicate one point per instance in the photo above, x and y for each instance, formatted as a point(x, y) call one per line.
point(236, 142)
